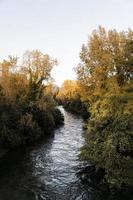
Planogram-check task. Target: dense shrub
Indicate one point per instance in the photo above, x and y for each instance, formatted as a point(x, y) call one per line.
point(27, 111)
point(76, 106)
point(58, 117)
point(18, 126)
point(110, 140)
point(105, 76)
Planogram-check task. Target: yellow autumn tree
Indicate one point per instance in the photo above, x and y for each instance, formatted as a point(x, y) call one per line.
point(105, 75)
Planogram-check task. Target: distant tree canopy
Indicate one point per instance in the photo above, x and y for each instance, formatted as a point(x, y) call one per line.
point(69, 96)
point(105, 77)
point(68, 90)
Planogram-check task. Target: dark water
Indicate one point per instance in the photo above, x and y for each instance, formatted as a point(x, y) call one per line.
point(47, 170)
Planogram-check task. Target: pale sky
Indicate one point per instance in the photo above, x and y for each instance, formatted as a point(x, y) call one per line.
point(58, 27)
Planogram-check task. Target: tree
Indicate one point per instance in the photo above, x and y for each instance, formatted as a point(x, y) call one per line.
point(37, 66)
point(68, 90)
point(7, 67)
point(27, 110)
point(105, 76)
point(106, 61)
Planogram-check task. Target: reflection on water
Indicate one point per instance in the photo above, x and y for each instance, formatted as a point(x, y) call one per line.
point(47, 170)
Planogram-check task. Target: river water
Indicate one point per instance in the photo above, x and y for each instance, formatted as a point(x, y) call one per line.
point(46, 170)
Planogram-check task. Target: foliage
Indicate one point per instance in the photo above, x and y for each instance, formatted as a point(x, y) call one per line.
point(27, 111)
point(69, 96)
point(105, 77)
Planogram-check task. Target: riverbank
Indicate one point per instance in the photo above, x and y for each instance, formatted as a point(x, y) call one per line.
point(47, 169)
point(26, 132)
point(51, 169)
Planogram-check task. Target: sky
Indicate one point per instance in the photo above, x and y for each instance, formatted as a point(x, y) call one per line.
point(58, 27)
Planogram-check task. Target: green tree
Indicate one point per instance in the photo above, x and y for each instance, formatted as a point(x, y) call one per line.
point(105, 76)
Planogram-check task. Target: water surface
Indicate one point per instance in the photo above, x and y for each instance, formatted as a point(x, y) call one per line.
point(46, 170)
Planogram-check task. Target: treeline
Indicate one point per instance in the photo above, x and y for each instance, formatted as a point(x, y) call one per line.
point(105, 86)
point(27, 108)
point(69, 96)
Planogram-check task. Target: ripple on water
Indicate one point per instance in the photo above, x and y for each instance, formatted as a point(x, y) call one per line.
point(59, 163)
point(47, 171)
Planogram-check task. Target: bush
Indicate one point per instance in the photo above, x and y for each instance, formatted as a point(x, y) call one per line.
point(58, 117)
point(23, 124)
point(110, 140)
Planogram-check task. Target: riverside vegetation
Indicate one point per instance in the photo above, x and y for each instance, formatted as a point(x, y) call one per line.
point(27, 110)
point(103, 93)
point(68, 95)
point(104, 85)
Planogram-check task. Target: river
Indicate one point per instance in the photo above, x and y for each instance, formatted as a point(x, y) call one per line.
point(46, 170)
